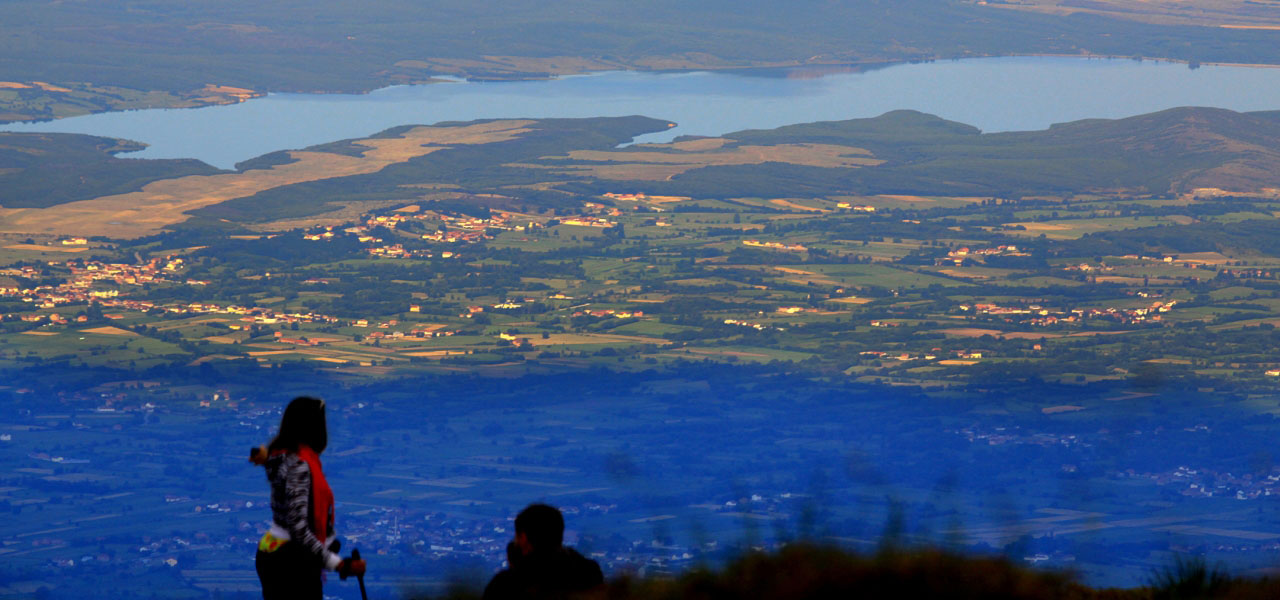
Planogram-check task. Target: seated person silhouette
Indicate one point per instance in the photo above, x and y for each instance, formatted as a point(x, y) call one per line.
point(539, 565)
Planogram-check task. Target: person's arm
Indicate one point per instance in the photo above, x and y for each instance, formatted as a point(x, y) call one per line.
point(297, 487)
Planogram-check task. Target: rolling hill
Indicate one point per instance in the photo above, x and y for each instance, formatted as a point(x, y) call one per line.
point(559, 163)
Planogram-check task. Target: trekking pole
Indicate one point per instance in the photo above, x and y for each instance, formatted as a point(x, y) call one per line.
point(355, 555)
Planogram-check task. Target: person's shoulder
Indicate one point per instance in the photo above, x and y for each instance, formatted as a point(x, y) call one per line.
point(587, 571)
point(501, 586)
point(576, 556)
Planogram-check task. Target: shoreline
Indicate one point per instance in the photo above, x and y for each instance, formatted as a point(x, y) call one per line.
point(834, 66)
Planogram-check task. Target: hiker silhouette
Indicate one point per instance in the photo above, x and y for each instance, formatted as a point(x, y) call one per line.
point(540, 566)
point(293, 553)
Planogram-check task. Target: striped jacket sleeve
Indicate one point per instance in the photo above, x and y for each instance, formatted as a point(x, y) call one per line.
point(292, 513)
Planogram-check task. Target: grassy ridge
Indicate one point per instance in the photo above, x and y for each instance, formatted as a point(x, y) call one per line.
point(470, 166)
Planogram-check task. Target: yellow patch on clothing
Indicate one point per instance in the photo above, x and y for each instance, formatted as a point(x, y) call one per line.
point(270, 543)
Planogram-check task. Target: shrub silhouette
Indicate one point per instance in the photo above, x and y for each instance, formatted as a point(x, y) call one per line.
point(808, 571)
point(817, 572)
point(1189, 579)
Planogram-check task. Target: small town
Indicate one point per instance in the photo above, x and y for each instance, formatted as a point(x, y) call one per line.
point(1037, 315)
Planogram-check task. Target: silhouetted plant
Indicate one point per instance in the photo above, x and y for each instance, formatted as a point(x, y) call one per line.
point(817, 572)
point(1189, 578)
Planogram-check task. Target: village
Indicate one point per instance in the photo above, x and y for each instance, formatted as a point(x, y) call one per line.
point(80, 289)
point(1209, 483)
point(105, 284)
point(1040, 316)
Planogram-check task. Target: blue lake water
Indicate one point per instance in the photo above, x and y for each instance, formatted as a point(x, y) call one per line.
point(994, 94)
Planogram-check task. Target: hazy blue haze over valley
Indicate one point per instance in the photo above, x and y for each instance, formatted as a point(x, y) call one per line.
point(997, 94)
point(1104, 458)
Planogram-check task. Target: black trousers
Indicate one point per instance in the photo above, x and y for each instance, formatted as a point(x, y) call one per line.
point(289, 573)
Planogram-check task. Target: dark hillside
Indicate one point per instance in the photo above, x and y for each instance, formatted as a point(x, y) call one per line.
point(900, 136)
point(1173, 151)
point(1254, 237)
point(1218, 148)
point(38, 170)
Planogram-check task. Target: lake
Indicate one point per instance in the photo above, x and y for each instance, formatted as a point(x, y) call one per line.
point(994, 94)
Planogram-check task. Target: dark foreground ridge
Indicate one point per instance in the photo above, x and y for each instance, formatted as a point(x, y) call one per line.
point(814, 571)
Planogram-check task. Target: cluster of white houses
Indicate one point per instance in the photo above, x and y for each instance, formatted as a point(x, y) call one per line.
point(1034, 314)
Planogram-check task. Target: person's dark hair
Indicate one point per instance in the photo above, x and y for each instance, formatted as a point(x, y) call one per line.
point(302, 423)
point(543, 525)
